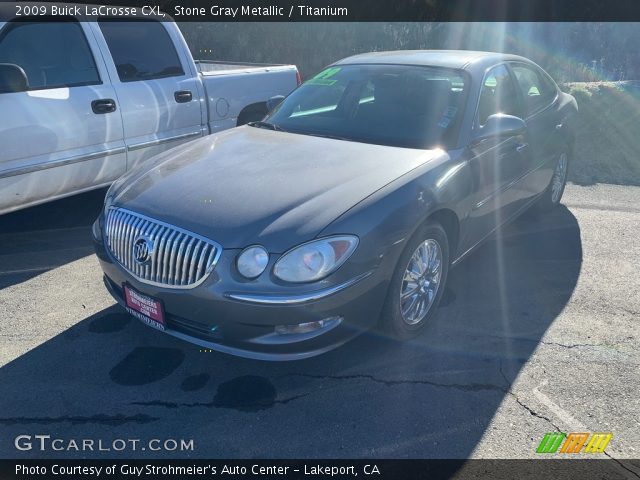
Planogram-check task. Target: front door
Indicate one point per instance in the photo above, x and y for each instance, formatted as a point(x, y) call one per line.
point(60, 136)
point(499, 163)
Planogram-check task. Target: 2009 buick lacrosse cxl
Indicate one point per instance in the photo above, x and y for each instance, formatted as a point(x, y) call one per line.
point(345, 206)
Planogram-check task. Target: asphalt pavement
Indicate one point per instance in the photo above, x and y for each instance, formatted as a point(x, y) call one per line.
point(538, 331)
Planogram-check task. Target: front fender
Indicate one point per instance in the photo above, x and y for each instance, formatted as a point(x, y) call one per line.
point(387, 219)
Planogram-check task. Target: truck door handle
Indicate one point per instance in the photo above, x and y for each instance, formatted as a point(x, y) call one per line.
point(104, 105)
point(183, 96)
point(522, 147)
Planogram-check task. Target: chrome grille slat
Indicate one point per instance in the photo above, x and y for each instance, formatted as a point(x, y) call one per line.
point(194, 258)
point(119, 238)
point(178, 258)
point(201, 261)
point(128, 236)
point(133, 233)
point(173, 257)
point(146, 229)
point(148, 269)
point(176, 270)
point(167, 256)
point(185, 261)
point(161, 253)
point(209, 261)
point(155, 263)
point(125, 240)
point(122, 236)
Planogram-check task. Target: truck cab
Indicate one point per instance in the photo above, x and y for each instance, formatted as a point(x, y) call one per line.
point(84, 100)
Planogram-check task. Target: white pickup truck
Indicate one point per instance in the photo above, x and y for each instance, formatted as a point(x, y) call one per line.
point(84, 100)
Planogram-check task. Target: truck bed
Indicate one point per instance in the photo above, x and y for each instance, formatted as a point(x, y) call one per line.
point(211, 67)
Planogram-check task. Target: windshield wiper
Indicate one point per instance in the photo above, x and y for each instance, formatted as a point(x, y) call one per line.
point(261, 124)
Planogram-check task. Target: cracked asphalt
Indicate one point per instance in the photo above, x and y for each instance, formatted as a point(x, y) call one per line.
point(538, 331)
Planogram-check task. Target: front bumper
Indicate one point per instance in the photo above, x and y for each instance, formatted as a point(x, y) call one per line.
point(234, 316)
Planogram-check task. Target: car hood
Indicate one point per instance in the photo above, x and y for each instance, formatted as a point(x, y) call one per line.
point(250, 185)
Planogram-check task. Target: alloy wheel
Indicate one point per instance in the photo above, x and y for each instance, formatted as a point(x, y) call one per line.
point(559, 178)
point(421, 282)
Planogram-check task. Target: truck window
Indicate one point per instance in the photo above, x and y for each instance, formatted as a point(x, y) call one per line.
point(52, 54)
point(141, 50)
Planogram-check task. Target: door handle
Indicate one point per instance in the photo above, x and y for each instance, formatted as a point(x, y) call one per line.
point(559, 126)
point(522, 147)
point(183, 96)
point(104, 105)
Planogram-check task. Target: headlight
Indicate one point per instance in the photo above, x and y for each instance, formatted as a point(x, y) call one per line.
point(252, 261)
point(315, 260)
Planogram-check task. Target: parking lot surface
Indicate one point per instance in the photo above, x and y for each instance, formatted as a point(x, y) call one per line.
point(538, 331)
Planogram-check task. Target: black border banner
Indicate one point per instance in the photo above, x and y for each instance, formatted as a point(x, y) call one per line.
point(583, 469)
point(379, 10)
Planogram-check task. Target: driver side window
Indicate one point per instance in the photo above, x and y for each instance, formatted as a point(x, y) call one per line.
point(498, 95)
point(52, 54)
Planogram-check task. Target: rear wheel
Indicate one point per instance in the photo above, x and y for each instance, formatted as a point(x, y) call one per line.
point(417, 283)
point(553, 194)
point(252, 113)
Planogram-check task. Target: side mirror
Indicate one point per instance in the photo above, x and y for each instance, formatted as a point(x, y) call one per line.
point(273, 102)
point(12, 78)
point(501, 125)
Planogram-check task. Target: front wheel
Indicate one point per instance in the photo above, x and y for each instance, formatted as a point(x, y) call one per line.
point(553, 194)
point(417, 283)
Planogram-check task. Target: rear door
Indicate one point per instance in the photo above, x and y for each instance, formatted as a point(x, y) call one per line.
point(64, 134)
point(156, 84)
point(539, 94)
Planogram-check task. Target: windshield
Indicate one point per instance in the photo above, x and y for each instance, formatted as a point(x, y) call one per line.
point(397, 105)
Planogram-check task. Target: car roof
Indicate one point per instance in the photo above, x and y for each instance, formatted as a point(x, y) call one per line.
point(458, 59)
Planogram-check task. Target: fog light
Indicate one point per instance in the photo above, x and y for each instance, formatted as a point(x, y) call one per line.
point(307, 327)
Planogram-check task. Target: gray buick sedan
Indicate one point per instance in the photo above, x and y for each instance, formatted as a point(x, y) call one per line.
point(345, 207)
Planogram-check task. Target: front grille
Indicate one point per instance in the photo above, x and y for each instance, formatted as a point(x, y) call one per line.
point(174, 257)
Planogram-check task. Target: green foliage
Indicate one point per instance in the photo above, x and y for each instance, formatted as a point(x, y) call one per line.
point(608, 133)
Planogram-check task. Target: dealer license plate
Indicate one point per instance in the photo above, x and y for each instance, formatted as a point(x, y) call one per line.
point(145, 308)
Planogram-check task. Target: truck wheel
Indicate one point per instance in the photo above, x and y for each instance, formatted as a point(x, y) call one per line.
point(417, 283)
point(252, 113)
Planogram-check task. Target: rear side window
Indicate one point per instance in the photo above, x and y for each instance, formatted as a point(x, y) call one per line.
point(141, 50)
point(537, 91)
point(52, 54)
point(498, 95)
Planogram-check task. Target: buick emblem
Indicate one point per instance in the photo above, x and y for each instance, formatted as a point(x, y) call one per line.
point(142, 250)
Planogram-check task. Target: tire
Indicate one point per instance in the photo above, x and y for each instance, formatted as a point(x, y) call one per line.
point(397, 320)
point(553, 193)
point(254, 113)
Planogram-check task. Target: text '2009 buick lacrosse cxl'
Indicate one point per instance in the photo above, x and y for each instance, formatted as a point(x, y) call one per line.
point(345, 206)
